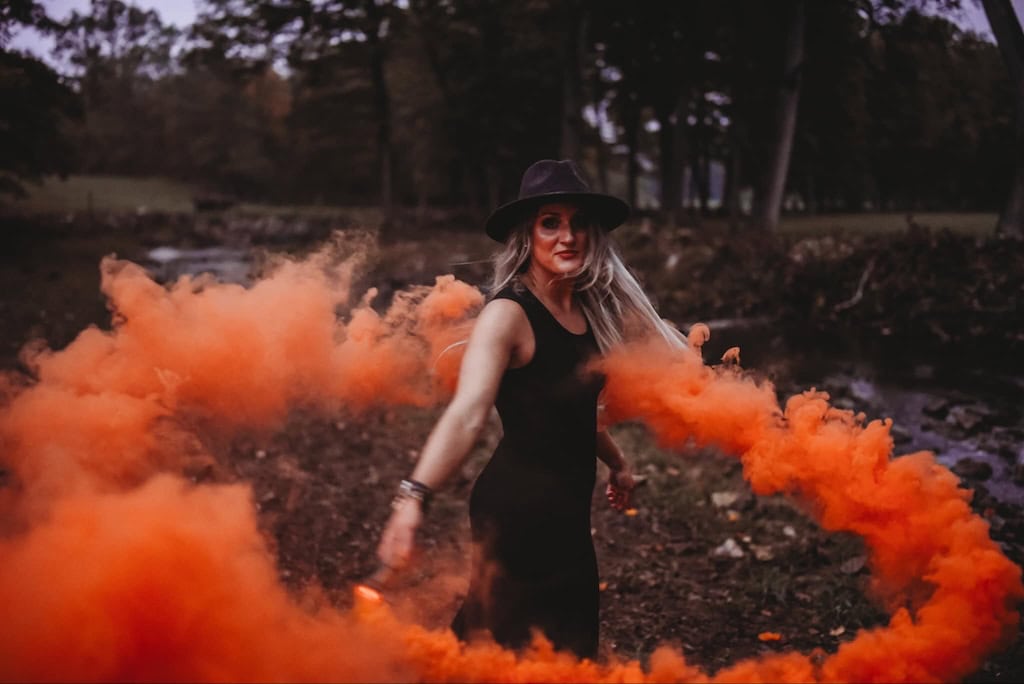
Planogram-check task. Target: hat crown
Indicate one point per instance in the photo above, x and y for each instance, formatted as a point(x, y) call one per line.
point(553, 181)
point(548, 177)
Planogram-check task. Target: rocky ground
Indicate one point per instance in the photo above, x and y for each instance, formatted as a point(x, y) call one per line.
point(703, 563)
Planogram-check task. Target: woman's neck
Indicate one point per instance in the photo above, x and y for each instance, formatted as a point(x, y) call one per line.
point(555, 291)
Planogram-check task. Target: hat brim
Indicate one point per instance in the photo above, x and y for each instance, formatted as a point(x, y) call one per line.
point(611, 211)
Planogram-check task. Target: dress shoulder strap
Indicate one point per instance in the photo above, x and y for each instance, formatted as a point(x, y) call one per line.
point(522, 296)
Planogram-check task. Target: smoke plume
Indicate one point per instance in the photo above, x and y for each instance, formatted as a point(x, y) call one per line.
point(115, 567)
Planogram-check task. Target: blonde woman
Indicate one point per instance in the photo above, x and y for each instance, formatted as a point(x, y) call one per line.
point(560, 295)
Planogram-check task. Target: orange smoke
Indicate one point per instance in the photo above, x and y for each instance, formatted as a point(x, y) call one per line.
point(233, 356)
point(113, 569)
point(912, 514)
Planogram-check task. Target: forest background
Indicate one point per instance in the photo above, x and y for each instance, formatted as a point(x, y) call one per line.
point(737, 107)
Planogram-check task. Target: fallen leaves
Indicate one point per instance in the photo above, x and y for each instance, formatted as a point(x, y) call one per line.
point(728, 549)
point(853, 565)
point(724, 499)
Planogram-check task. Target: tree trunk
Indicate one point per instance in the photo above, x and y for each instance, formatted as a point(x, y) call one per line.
point(602, 165)
point(595, 95)
point(666, 159)
point(697, 193)
point(631, 122)
point(456, 191)
point(732, 182)
point(682, 153)
point(810, 194)
point(699, 152)
point(382, 100)
point(773, 185)
point(705, 165)
point(572, 81)
point(1007, 30)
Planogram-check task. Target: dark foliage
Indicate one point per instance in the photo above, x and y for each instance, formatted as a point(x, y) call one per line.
point(444, 103)
point(35, 111)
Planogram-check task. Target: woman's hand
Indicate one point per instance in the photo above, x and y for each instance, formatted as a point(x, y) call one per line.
point(620, 485)
point(398, 541)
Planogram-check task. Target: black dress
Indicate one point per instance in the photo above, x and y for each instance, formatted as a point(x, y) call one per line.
point(534, 563)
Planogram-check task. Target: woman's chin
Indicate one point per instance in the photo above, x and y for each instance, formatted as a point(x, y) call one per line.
point(568, 266)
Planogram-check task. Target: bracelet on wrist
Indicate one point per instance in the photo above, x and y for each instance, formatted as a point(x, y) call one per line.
point(415, 491)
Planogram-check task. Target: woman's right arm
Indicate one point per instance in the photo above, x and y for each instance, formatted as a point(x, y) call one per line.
point(496, 337)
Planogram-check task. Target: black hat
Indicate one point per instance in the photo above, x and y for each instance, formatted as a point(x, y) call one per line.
point(553, 181)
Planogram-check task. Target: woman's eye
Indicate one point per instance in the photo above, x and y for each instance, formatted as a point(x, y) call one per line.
point(550, 222)
point(580, 221)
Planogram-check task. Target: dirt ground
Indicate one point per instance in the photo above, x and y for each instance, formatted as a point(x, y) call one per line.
point(322, 486)
point(662, 579)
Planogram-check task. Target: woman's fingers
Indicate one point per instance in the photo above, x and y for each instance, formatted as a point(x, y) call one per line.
point(618, 498)
point(399, 537)
point(395, 545)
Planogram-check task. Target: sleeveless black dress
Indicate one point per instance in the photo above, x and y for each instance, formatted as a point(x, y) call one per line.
point(534, 564)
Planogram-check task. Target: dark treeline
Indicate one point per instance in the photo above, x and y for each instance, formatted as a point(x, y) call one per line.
point(741, 107)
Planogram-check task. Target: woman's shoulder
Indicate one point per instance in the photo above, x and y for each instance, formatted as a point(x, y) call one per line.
point(501, 323)
point(502, 310)
point(514, 291)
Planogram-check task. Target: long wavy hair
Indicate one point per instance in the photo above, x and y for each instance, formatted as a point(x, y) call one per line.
point(612, 300)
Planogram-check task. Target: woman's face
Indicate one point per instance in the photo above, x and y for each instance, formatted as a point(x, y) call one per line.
point(559, 239)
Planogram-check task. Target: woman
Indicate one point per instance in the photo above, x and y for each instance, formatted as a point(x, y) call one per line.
point(560, 295)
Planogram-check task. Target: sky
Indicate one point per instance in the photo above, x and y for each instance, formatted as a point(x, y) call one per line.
point(177, 12)
point(182, 12)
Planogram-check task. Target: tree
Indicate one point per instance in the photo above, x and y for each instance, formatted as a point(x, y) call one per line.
point(1007, 30)
point(498, 68)
point(310, 32)
point(34, 110)
point(655, 51)
point(829, 165)
point(21, 13)
point(936, 101)
point(768, 199)
point(119, 54)
point(575, 16)
point(35, 107)
point(375, 26)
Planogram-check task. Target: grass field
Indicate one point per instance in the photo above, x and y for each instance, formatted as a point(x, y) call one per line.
point(119, 193)
point(888, 222)
point(106, 193)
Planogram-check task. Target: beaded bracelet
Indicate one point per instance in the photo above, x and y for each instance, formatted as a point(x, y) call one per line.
point(415, 490)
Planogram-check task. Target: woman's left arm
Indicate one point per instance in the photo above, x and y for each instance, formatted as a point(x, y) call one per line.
point(620, 477)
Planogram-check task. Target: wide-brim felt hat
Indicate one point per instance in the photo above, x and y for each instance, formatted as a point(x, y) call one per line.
point(550, 181)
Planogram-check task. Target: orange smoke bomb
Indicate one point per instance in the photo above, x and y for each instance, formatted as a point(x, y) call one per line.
point(372, 588)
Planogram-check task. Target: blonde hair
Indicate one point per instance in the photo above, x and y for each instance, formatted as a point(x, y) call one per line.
point(612, 300)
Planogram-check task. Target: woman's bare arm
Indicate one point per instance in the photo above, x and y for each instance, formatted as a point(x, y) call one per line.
point(620, 476)
point(609, 452)
point(497, 337)
point(488, 354)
